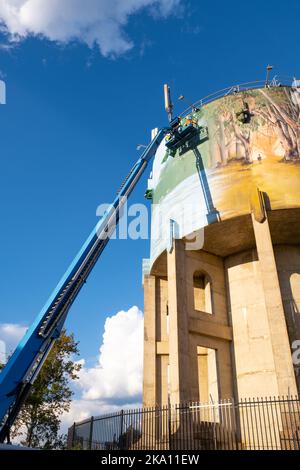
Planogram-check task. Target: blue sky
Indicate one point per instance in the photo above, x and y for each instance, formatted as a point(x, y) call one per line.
point(71, 124)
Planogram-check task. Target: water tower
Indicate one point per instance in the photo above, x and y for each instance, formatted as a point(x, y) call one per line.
point(222, 284)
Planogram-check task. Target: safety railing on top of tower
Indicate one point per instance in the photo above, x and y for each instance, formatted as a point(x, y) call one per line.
point(251, 424)
point(276, 81)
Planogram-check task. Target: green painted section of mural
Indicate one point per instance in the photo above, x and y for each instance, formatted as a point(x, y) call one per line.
point(253, 139)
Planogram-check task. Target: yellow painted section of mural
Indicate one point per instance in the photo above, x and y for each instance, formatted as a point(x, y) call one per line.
point(231, 187)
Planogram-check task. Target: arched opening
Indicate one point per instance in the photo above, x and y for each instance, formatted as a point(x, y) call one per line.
point(202, 292)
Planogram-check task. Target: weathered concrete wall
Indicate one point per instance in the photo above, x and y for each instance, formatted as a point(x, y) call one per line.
point(253, 352)
point(288, 266)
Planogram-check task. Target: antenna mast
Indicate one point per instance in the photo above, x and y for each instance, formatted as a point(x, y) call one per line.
point(168, 102)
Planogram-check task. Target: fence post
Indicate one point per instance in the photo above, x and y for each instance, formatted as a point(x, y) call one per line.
point(91, 433)
point(214, 422)
point(71, 436)
point(169, 411)
point(237, 427)
point(121, 430)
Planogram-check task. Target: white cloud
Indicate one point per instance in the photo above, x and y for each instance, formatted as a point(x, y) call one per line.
point(115, 382)
point(118, 373)
point(99, 22)
point(10, 335)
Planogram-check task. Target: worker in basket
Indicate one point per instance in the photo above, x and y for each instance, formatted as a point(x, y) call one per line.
point(190, 121)
point(175, 134)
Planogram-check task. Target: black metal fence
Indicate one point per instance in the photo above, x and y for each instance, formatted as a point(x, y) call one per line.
point(257, 424)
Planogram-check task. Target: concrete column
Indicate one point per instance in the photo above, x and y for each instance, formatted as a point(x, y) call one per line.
point(274, 307)
point(162, 338)
point(255, 372)
point(149, 384)
point(179, 333)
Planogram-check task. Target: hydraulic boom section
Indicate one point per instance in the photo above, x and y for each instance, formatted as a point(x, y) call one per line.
point(29, 356)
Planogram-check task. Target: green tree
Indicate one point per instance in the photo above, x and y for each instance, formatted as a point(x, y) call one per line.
point(38, 423)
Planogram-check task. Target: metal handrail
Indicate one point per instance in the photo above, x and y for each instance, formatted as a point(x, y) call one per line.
point(274, 82)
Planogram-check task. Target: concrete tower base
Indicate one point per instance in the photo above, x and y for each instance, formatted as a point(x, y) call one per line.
point(221, 322)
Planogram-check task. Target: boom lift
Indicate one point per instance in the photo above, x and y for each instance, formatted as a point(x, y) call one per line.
point(24, 365)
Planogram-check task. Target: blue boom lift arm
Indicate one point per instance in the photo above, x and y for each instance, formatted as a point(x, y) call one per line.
point(24, 365)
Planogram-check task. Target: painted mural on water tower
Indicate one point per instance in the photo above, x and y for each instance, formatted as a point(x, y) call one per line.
point(247, 139)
